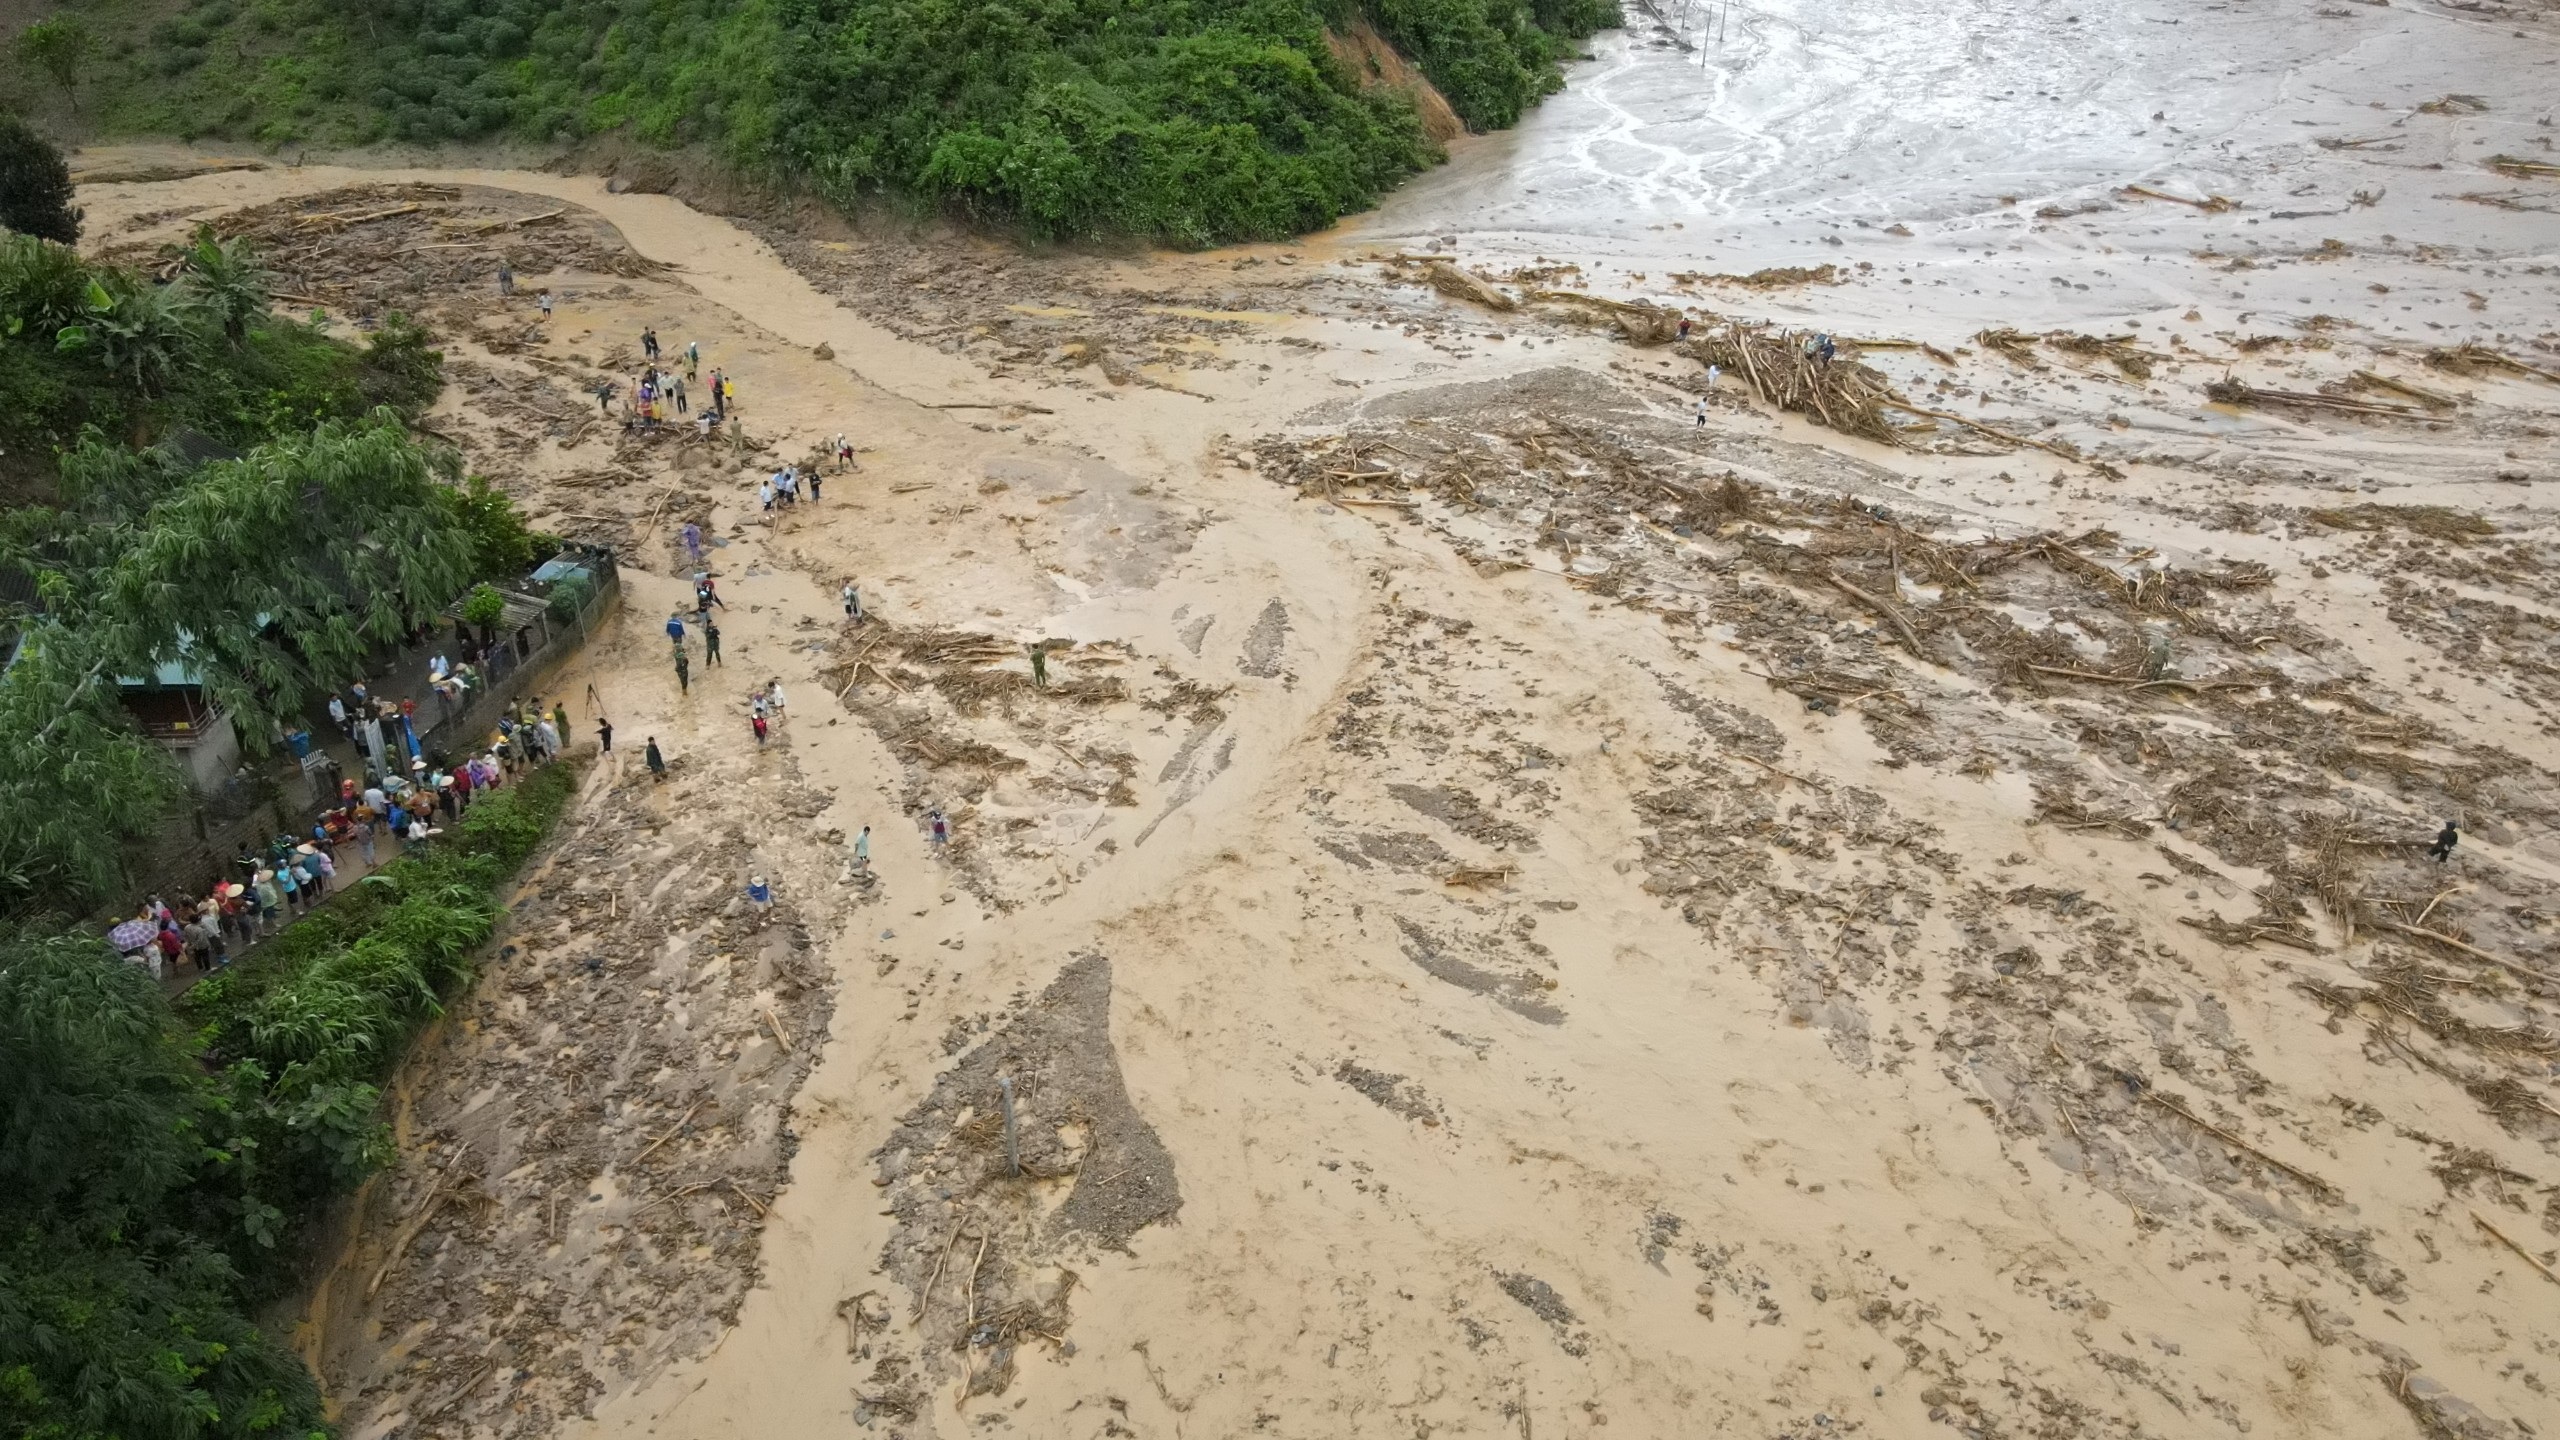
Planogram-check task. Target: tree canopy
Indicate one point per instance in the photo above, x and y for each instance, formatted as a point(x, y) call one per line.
point(1172, 120)
point(35, 185)
point(153, 1175)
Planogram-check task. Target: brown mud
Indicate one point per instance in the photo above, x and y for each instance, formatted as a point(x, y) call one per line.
point(1517, 909)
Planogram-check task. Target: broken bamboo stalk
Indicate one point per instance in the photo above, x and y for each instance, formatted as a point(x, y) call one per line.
point(1994, 431)
point(2192, 1118)
point(2136, 682)
point(925, 1297)
point(2433, 400)
point(2474, 951)
point(780, 1035)
point(2521, 1252)
point(681, 1122)
point(418, 1221)
point(2211, 204)
point(1910, 637)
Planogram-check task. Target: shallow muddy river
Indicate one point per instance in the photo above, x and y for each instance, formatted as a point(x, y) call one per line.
point(1804, 123)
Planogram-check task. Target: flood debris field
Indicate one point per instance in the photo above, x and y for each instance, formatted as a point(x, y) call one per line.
point(1537, 895)
point(592, 1141)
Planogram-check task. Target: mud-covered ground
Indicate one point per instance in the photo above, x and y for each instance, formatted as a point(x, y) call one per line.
point(1521, 902)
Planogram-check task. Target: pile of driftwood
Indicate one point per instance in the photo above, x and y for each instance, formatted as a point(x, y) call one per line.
point(1782, 367)
point(2519, 166)
point(1459, 284)
point(1776, 277)
point(2232, 392)
point(1641, 324)
point(2018, 347)
point(405, 246)
point(2468, 358)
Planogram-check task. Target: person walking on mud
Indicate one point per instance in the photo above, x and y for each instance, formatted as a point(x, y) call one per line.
point(1702, 412)
point(852, 603)
point(684, 673)
point(544, 300)
point(506, 278)
point(657, 762)
point(941, 828)
point(604, 735)
point(675, 392)
point(2446, 839)
point(649, 344)
point(1039, 665)
point(761, 725)
point(862, 851)
point(693, 544)
point(710, 642)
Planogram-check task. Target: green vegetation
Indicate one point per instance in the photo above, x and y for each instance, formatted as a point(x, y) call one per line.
point(59, 46)
point(145, 1200)
point(153, 1174)
point(119, 1315)
point(1163, 119)
point(35, 185)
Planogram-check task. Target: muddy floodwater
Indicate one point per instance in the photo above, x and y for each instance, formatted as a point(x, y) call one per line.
point(1531, 891)
point(1795, 128)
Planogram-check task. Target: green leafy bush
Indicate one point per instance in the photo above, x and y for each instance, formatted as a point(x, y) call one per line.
point(503, 546)
point(484, 606)
point(570, 595)
point(115, 1318)
point(35, 185)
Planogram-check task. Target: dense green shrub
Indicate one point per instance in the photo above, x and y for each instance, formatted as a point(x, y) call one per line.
point(35, 185)
point(116, 1318)
point(570, 595)
point(86, 347)
point(142, 1203)
point(503, 546)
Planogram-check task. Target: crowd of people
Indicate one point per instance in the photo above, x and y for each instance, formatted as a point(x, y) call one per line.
point(398, 807)
point(659, 395)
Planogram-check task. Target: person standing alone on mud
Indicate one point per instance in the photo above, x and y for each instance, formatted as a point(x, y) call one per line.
point(1039, 665)
point(2446, 839)
point(657, 762)
point(506, 277)
point(852, 603)
point(710, 641)
point(941, 828)
point(544, 300)
point(604, 735)
point(684, 672)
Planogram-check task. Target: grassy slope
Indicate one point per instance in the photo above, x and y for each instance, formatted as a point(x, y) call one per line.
point(1180, 120)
